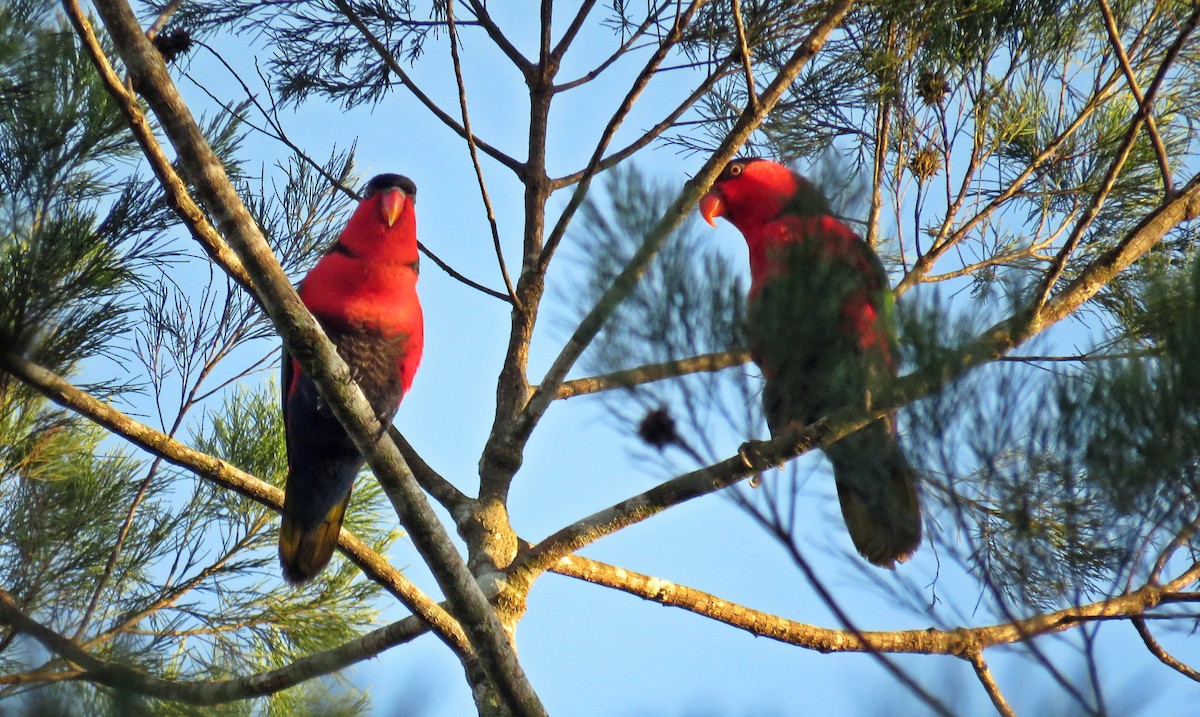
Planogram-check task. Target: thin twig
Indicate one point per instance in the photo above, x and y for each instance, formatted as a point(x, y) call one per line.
point(394, 66)
point(744, 49)
point(1158, 651)
point(466, 119)
point(1160, 149)
point(975, 657)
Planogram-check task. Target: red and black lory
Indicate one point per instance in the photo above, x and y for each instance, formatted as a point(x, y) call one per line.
point(363, 292)
point(821, 327)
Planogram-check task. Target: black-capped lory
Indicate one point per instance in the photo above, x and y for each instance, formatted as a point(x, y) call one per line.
point(821, 326)
point(363, 292)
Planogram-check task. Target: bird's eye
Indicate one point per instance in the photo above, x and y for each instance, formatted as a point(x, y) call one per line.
point(736, 169)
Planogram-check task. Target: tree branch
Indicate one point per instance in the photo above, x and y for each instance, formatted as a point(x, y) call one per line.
point(355, 19)
point(173, 186)
point(975, 657)
point(1160, 149)
point(125, 678)
point(487, 202)
point(651, 373)
point(959, 642)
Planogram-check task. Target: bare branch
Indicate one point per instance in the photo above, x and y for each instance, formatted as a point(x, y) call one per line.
point(744, 50)
point(651, 373)
point(348, 10)
point(479, 9)
point(1157, 650)
point(487, 202)
point(959, 642)
point(975, 657)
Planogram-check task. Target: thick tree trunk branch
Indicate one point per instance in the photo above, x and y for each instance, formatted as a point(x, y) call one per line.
point(317, 355)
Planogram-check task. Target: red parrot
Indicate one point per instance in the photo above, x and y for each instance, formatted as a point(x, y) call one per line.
point(363, 292)
point(821, 327)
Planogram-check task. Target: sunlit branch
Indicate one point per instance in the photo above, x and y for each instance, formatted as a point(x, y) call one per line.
point(163, 18)
point(651, 373)
point(1158, 651)
point(959, 642)
point(975, 657)
point(176, 191)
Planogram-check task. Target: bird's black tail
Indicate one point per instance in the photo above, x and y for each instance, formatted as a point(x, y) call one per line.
point(877, 489)
point(312, 520)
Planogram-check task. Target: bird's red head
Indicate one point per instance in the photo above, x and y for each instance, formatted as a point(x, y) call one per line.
point(385, 222)
point(752, 191)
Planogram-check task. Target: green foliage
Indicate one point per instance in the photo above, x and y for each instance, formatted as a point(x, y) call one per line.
point(74, 234)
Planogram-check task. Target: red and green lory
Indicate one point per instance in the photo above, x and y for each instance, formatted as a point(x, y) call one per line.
point(821, 327)
point(363, 292)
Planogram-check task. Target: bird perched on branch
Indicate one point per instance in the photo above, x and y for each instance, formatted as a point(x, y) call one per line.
point(821, 327)
point(363, 292)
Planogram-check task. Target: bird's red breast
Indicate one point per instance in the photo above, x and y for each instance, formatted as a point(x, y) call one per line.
point(367, 281)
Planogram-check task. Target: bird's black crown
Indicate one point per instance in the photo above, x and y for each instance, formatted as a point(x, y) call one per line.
point(381, 182)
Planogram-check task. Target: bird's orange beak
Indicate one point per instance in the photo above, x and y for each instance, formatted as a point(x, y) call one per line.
point(712, 206)
point(391, 205)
